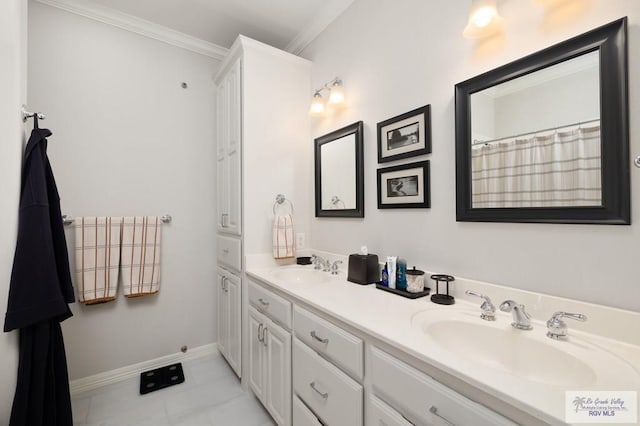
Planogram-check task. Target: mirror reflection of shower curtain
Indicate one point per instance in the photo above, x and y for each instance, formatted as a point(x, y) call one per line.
point(556, 170)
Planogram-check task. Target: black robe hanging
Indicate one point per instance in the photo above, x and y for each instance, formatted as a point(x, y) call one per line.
point(39, 294)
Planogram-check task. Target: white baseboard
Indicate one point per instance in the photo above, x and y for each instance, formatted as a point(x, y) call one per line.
point(95, 381)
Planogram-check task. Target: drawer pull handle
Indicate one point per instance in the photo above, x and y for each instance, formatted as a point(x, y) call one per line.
point(225, 251)
point(324, 395)
point(319, 339)
point(263, 302)
point(433, 410)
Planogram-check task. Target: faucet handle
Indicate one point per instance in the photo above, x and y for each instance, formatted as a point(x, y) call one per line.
point(488, 310)
point(556, 328)
point(335, 267)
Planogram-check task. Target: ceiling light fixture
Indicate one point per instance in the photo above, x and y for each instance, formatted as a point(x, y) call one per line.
point(484, 19)
point(336, 96)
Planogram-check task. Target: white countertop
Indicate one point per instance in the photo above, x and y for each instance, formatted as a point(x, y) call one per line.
point(388, 317)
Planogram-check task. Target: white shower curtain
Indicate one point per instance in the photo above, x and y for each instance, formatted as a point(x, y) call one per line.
point(561, 169)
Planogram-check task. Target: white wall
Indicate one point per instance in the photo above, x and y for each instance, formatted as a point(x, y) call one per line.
point(394, 56)
point(276, 157)
point(13, 27)
point(128, 140)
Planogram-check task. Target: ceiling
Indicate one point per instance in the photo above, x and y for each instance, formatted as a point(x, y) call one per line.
point(285, 24)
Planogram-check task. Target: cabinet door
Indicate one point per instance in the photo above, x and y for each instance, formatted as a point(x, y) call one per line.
point(257, 371)
point(229, 143)
point(278, 368)
point(223, 316)
point(233, 290)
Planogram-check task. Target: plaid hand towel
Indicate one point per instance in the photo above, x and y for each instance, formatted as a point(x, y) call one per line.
point(141, 255)
point(97, 258)
point(283, 240)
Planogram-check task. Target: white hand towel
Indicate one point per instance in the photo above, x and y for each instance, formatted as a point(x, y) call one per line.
point(283, 241)
point(97, 258)
point(141, 255)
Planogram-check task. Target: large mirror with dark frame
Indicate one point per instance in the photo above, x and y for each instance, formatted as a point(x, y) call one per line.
point(545, 138)
point(339, 173)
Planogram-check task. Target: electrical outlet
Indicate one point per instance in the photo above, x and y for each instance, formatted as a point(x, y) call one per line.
point(299, 241)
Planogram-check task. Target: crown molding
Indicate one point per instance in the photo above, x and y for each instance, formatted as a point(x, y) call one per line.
point(317, 26)
point(140, 26)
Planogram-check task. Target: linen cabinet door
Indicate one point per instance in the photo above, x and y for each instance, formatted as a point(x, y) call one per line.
point(257, 358)
point(223, 316)
point(278, 368)
point(234, 344)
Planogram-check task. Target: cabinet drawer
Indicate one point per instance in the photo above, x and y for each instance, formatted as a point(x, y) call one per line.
point(272, 305)
point(344, 349)
point(230, 252)
point(414, 394)
point(302, 416)
point(378, 413)
point(332, 395)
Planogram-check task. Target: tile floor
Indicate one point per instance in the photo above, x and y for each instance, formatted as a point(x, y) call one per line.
point(210, 396)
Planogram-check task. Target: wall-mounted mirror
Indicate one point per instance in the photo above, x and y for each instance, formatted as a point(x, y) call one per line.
point(339, 173)
point(545, 138)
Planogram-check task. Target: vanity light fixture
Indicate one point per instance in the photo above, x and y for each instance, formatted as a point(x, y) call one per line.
point(336, 96)
point(484, 19)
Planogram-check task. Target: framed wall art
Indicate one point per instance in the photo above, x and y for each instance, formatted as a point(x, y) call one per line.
point(404, 186)
point(406, 135)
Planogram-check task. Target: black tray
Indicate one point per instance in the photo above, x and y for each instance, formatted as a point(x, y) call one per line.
point(404, 293)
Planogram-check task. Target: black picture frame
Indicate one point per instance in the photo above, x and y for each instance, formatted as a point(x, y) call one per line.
point(397, 134)
point(611, 42)
point(357, 130)
point(415, 181)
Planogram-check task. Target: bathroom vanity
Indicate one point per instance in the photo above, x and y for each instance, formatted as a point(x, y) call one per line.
point(362, 356)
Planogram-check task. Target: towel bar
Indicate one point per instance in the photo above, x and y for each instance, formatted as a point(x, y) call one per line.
point(68, 220)
point(280, 200)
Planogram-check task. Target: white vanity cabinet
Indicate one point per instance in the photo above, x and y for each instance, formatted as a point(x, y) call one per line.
point(228, 310)
point(418, 398)
point(270, 353)
point(326, 360)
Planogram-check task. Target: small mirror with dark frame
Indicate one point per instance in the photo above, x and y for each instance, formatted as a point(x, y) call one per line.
point(545, 138)
point(339, 173)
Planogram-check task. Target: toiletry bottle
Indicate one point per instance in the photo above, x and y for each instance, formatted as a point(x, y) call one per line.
point(385, 276)
point(392, 270)
point(401, 281)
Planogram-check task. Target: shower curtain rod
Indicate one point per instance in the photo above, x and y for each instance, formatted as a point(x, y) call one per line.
point(479, 142)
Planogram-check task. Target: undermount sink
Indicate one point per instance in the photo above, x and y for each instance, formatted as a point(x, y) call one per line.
point(529, 355)
point(301, 275)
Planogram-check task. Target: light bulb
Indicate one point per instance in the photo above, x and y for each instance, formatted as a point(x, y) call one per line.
point(336, 93)
point(317, 105)
point(484, 19)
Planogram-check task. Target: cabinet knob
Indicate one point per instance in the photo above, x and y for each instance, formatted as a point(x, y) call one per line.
point(263, 302)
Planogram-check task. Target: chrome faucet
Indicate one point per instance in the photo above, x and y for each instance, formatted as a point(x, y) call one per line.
point(326, 266)
point(520, 317)
point(335, 267)
point(557, 329)
point(317, 261)
point(488, 310)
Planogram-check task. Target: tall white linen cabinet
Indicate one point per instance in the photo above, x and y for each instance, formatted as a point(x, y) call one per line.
point(264, 148)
